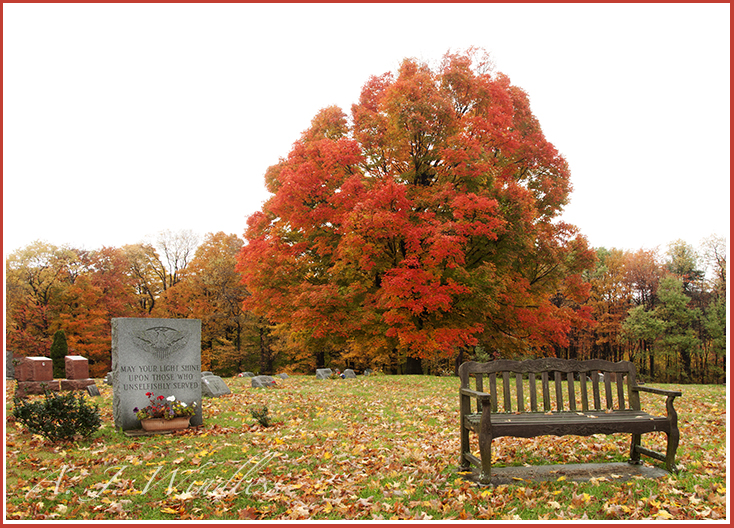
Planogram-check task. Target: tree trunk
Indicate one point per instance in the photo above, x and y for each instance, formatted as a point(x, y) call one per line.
point(458, 361)
point(393, 367)
point(266, 356)
point(652, 364)
point(413, 365)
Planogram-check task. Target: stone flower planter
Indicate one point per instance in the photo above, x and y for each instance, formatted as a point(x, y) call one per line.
point(159, 424)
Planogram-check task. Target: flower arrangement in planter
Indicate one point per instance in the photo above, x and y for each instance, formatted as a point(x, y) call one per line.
point(164, 413)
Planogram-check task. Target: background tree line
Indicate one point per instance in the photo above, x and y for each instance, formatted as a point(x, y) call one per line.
point(666, 313)
point(662, 311)
point(51, 289)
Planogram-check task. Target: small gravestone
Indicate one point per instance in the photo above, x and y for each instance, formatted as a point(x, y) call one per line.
point(92, 390)
point(77, 367)
point(367, 372)
point(323, 373)
point(9, 367)
point(349, 374)
point(35, 368)
point(213, 387)
point(283, 376)
point(206, 373)
point(109, 378)
point(247, 374)
point(162, 356)
point(262, 381)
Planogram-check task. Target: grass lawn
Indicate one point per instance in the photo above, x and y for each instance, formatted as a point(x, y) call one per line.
point(382, 447)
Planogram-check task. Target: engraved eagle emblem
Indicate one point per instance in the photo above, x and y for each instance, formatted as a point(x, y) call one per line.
point(160, 341)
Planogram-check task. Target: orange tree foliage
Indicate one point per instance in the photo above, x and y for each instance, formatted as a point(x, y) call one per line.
point(102, 291)
point(426, 224)
point(50, 288)
point(210, 289)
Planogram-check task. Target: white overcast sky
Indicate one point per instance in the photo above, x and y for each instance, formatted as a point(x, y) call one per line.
point(124, 120)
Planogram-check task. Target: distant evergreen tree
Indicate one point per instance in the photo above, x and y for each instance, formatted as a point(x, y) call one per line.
point(59, 351)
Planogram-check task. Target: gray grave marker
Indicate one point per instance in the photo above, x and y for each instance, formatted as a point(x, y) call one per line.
point(162, 356)
point(323, 373)
point(92, 390)
point(213, 387)
point(262, 381)
point(349, 374)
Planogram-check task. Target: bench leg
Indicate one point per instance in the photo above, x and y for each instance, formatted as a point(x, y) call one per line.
point(464, 464)
point(673, 439)
point(634, 453)
point(485, 448)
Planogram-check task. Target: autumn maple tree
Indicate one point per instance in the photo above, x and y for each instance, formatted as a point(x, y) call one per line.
point(426, 223)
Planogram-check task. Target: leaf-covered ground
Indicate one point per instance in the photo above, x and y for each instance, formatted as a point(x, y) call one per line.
point(383, 447)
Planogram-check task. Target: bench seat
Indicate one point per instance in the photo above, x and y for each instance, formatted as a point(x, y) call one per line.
point(528, 425)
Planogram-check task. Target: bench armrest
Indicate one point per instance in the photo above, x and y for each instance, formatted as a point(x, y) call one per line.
point(662, 392)
point(482, 396)
point(671, 396)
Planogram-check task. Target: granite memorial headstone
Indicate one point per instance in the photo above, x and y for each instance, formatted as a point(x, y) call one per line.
point(77, 367)
point(35, 368)
point(162, 356)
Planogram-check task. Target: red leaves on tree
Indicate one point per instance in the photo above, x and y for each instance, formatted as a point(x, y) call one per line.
point(426, 225)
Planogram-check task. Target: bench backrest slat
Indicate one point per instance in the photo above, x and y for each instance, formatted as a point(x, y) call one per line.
point(571, 391)
point(519, 392)
point(559, 391)
point(493, 390)
point(480, 387)
point(506, 391)
point(595, 388)
point(584, 392)
point(608, 390)
point(620, 392)
point(570, 379)
point(533, 393)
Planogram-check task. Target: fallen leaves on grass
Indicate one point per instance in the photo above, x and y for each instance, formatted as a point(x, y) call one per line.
point(383, 448)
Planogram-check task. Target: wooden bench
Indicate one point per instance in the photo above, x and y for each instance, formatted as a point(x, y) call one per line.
point(594, 402)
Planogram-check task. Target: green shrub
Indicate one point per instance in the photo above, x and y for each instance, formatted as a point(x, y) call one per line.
point(262, 415)
point(59, 417)
point(59, 351)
